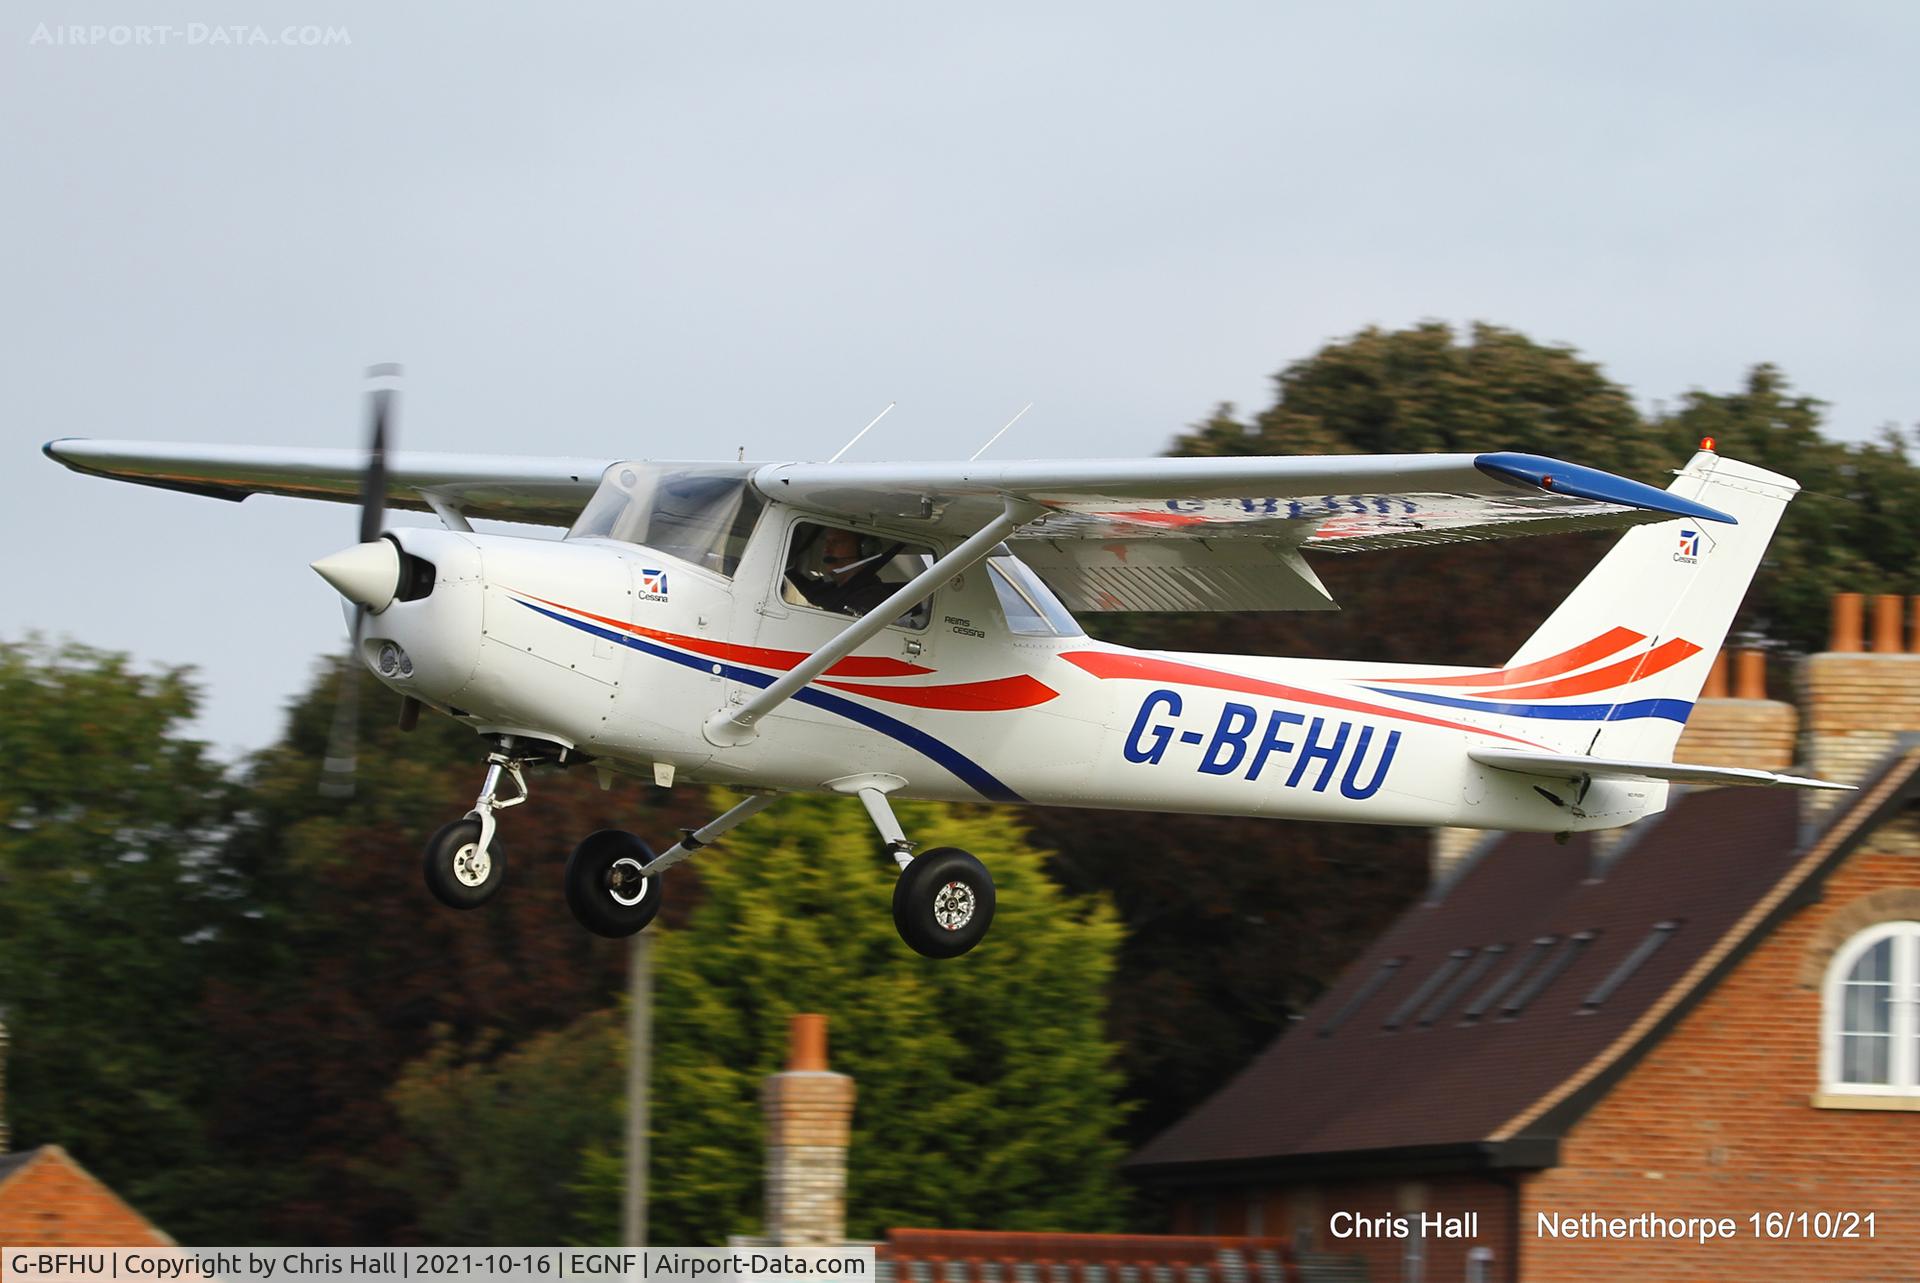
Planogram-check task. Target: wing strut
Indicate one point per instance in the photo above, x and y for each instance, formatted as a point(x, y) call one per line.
point(733, 725)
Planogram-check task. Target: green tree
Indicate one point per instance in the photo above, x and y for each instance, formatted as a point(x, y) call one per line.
point(346, 970)
point(497, 1139)
point(987, 1096)
point(112, 904)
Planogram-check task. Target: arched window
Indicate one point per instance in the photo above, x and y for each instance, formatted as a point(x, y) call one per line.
point(1870, 1037)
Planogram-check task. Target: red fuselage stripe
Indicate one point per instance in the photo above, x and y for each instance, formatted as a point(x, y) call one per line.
point(996, 696)
point(1657, 660)
point(1611, 642)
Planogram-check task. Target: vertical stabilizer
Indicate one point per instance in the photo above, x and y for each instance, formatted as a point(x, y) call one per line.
point(1617, 668)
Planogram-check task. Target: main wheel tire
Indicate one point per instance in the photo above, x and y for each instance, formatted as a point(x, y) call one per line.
point(943, 902)
point(604, 889)
point(458, 872)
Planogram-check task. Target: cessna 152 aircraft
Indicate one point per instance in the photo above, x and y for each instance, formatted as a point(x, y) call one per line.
point(908, 629)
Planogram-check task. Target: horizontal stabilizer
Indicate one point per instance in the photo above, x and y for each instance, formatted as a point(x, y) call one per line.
point(1568, 766)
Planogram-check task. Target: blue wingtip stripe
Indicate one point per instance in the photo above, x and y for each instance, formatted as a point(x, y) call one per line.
point(1555, 477)
point(1673, 710)
point(977, 777)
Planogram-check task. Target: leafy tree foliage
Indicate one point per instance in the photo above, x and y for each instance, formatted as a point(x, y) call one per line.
point(496, 1140)
point(348, 969)
point(111, 902)
point(987, 1097)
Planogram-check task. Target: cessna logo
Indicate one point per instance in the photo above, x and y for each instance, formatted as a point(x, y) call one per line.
point(1689, 548)
point(653, 585)
point(1313, 751)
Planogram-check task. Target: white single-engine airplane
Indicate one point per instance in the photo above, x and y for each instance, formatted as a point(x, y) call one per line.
point(883, 629)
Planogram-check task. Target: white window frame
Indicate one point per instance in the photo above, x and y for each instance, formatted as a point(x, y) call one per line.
point(1903, 1060)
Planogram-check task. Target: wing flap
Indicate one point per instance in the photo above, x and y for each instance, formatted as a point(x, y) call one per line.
point(1568, 766)
point(543, 491)
point(1176, 574)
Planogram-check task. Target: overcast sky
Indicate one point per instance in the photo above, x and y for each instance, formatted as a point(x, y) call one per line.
point(671, 230)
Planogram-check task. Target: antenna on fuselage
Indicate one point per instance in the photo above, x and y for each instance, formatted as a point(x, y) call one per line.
point(863, 432)
point(1001, 433)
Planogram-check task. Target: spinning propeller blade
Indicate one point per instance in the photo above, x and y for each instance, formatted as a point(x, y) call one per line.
point(337, 772)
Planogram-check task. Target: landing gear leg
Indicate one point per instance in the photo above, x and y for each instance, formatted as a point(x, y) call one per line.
point(943, 902)
point(464, 863)
point(692, 840)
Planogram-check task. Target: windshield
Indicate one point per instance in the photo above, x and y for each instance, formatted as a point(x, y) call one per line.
point(700, 513)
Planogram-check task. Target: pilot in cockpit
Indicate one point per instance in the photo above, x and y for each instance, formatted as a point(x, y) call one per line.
point(849, 576)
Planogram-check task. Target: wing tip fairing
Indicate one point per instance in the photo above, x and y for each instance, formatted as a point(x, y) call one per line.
point(1578, 481)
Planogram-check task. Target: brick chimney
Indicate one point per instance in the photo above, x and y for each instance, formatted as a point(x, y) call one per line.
point(1863, 691)
point(809, 1112)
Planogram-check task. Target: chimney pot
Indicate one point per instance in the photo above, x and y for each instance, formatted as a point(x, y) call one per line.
point(807, 1043)
point(1886, 623)
point(1750, 674)
point(1716, 687)
point(1846, 633)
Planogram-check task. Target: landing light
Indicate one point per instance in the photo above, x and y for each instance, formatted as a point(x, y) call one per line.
point(393, 661)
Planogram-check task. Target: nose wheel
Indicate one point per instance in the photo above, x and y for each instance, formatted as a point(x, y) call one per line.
point(461, 871)
point(464, 862)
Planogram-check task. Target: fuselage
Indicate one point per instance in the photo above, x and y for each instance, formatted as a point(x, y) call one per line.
point(621, 651)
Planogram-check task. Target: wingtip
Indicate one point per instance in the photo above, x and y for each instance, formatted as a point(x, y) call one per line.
point(50, 452)
point(1581, 482)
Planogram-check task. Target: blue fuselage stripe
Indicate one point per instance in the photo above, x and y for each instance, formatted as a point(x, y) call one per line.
point(1674, 710)
point(963, 767)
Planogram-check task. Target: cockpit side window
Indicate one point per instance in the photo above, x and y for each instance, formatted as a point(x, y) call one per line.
point(844, 571)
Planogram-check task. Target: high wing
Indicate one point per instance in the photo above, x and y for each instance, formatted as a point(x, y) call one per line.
point(1160, 534)
point(1227, 533)
point(504, 487)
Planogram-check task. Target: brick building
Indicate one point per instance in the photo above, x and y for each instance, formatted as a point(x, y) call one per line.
point(49, 1200)
point(1714, 1014)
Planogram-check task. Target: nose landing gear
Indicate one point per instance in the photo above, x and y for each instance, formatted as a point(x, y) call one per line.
point(464, 863)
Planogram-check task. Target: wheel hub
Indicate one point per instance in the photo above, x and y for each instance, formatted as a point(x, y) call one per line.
point(953, 905)
point(625, 883)
point(472, 864)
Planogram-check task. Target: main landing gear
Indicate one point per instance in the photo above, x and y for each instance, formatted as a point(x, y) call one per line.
point(942, 903)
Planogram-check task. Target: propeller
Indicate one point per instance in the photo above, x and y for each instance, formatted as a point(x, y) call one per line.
point(337, 771)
